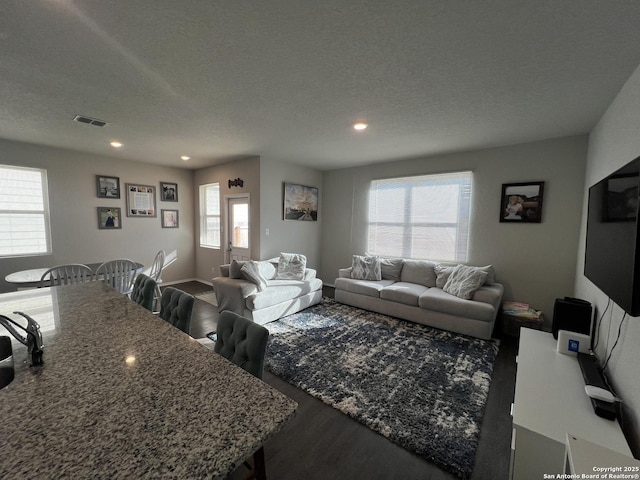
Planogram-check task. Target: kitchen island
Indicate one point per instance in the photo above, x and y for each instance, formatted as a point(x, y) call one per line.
point(124, 394)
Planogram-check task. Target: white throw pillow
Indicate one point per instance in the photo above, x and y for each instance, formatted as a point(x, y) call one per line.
point(464, 281)
point(251, 271)
point(291, 266)
point(267, 269)
point(366, 267)
point(443, 272)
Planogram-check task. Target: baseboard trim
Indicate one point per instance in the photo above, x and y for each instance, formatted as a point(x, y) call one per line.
point(175, 282)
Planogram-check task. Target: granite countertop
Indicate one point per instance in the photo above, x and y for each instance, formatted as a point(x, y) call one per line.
point(124, 394)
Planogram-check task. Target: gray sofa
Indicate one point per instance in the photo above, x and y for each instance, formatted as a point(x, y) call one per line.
point(273, 299)
point(416, 290)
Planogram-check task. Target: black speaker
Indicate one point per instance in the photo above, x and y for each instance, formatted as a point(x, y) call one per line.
point(571, 314)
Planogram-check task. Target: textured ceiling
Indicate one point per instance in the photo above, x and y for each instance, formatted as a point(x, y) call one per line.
point(285, 79)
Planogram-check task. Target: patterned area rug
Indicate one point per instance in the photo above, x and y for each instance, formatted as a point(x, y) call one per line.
point(209, 297)
point(423, 388)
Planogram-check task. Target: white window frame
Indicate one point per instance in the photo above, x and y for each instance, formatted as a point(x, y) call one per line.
point(43, 212)
point(381, 242)
point(205, 216)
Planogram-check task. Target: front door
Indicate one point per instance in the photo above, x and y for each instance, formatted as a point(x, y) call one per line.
point(238, 228)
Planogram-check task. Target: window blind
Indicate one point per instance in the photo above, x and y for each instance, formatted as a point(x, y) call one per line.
point(210, 215)
point(24, 212)
point(421, 217)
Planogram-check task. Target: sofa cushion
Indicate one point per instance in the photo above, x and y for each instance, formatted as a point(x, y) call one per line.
point(364, 287)
point(402, 292)
point(278, 291)
point(421, 272)
point(464, 281)
point(390, 268)
point(365, 267)
point(438, 300)
point(291, 266)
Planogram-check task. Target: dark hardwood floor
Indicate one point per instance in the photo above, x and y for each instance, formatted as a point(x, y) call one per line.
point(323, 443)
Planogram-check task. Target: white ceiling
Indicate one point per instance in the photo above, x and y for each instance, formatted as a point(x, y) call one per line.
point(285, 79)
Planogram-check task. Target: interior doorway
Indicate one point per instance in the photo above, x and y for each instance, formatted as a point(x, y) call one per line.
point(238, 227)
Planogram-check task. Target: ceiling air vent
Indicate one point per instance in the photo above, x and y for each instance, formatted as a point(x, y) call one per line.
point(89, 120)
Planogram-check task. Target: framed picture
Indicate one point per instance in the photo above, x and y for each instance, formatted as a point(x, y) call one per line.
point(621, 198)
point(521, 202)
point(109, 218)
point(107, 187)
point(168, 192)
point(141, 200)
point(169, 218)
point(300, 202)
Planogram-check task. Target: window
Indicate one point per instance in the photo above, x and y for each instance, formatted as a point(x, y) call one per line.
point(420, 217)
point(210, 215)
point(24, 212)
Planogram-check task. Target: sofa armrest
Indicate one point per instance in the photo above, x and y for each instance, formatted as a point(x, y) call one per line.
point(491, 294)
point(344, 273)
point(232, 292)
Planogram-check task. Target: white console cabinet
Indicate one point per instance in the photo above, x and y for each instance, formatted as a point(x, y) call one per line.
point(550, 402)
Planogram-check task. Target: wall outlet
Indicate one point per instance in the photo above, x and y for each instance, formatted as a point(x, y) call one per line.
point(266, 232)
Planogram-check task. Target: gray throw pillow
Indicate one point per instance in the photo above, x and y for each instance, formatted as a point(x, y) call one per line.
point(391, 268)
point(291, 266)
point(251, 271)
point(366, 267)
point(491, 274)
point(464, 281)
point(234, 268)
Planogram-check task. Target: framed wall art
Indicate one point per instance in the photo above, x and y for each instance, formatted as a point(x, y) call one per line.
point(169, 218)
point(168, 192)
point(107, 187)
point(109, 218)
point(141, 200)
point(521, 202)
point(300, 202)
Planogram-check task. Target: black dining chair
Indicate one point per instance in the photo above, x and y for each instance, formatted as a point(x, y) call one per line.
point(244, 343)
point(176, 308)
point(143, 293)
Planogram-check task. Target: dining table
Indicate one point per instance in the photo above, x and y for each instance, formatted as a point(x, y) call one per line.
point(122, 393)
point(30, 278)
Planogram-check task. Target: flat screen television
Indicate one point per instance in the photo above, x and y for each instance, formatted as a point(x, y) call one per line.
point(612, 260)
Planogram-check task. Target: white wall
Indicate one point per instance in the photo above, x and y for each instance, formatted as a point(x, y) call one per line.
point(613, 143)
point(74, 219)
point(263, 180)
point(208, 260)
point(288, 235)
point(535, 262)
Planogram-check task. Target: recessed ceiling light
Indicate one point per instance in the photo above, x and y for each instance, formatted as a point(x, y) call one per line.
point(116, 144)
point(185, 158)
point(360, 125)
